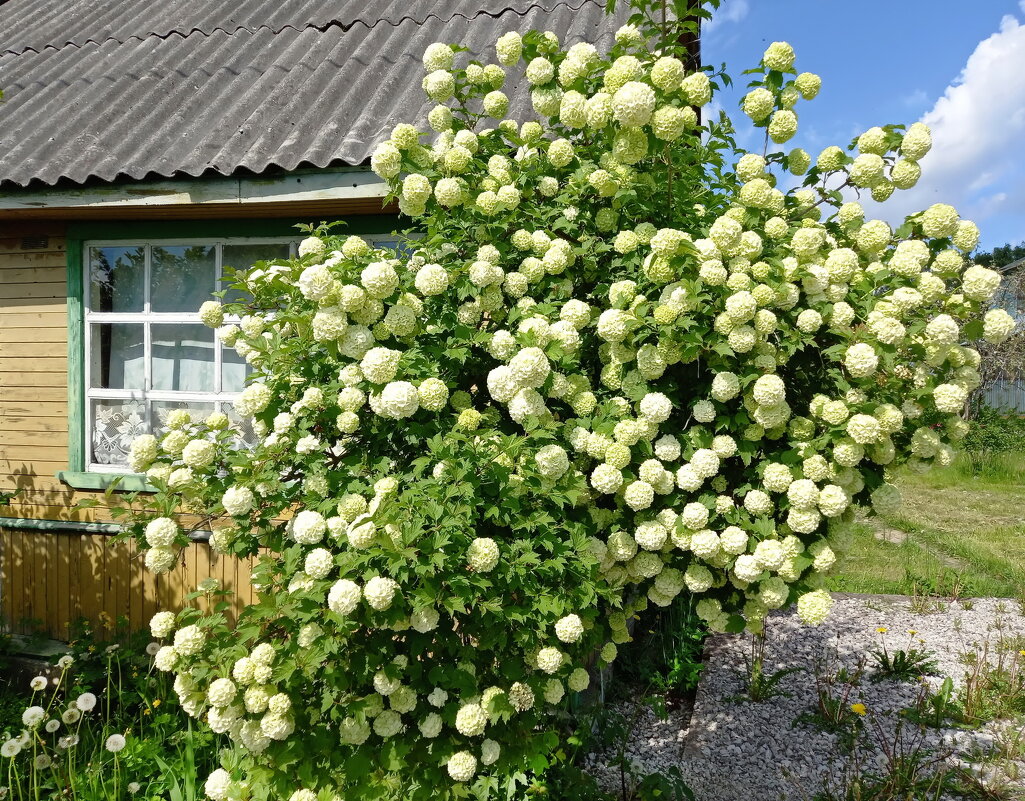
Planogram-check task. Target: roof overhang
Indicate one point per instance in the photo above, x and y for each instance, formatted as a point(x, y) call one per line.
point(337, 192)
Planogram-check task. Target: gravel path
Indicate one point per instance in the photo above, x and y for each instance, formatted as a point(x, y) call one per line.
point(732, 748)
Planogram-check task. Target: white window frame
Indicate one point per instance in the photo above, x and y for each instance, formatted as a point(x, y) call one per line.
point(147, 317)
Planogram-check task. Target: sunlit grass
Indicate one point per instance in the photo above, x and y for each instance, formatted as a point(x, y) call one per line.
point(965, 534)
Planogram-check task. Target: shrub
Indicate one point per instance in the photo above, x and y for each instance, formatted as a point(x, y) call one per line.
point(613, 368)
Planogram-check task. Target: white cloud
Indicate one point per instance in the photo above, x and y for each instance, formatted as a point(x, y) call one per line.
point(730, 11)
point(978, 128)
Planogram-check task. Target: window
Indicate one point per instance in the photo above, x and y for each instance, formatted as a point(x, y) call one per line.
point(146, 352)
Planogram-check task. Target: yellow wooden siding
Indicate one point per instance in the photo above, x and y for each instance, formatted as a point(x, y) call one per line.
point(49, 578)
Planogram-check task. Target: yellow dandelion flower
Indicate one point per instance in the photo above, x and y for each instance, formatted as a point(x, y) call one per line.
point(912, 631)
point(882, 629)
point(859, 709)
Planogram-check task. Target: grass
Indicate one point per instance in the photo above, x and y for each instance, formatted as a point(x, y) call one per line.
point(960, 532)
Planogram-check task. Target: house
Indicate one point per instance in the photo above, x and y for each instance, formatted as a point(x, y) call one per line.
point(144, 147)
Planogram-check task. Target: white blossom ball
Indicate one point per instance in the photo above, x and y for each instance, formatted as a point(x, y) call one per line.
point(569, 629)
point(530, 367)
point(218, 785)
point(482, 555)
point(997, 326)
point(949, 398)
point(863, 429)
point(861, 360)
point(757, 502)
point(725, 386)
point(606, 479)
point(161, 560)
point(319, 563)
point(380, 592)
point(940, 220)
point(656, 407)
point(344, 596)
point(695, 515)
point(980, 283)
point(651, 535)
point(432, 394)
point(549, 660)
point(462, 766)
point(814, 607)
point(431, 279)
point(705, 462)
point(704, 411)
point(638, 495)
point(471, 720)
point(398, 399)
point(733, 540)
point(667, 448)
point(833, 500)
point(552, 462)
point(308, 527)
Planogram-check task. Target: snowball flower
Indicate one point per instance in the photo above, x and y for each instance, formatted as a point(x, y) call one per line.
point(237, 501)
point(471, 720)
point(379, 592)
point(218, 785)
point(344, 597)
point(482, 555)
point(161, 624)
point(633, 103)
point(462, 766)
point(861, 360)
point(814, 607)
point(569, 628)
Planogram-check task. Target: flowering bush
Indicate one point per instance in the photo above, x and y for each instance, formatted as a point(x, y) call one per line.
point(615, 366)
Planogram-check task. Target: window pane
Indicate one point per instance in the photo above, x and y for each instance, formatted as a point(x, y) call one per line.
point(117, 359)
point(200, 411)
point(115, 423)
point(182, 277)
point(242, 257)
point(116, 278)
point(234, 370)
point(242, 426)
point(183, 357)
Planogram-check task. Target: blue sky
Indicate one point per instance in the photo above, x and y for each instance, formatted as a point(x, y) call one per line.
point(959, 67)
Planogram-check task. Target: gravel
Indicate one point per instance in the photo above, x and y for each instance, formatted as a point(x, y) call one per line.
point(732, 748)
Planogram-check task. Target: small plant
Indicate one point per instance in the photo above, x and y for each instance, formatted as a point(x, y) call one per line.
point(904, 664)
point(938, 708)
point(667, 656)
point(994, 689)
point(885, 765)
point(762, 686)
point(834, 710)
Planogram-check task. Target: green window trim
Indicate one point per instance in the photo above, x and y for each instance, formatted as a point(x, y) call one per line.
point(126, 482)
point(77, 233)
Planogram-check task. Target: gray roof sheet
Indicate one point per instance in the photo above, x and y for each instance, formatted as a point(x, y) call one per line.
point(136, 89)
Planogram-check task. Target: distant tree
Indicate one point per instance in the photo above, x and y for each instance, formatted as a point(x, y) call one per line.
point(1002, 256)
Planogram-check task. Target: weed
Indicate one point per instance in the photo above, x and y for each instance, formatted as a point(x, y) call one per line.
point(903, 664)
point(762, 686)
point(994, 689)
point(936, 709)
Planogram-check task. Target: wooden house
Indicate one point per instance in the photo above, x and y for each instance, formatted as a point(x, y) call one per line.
point(144, 147)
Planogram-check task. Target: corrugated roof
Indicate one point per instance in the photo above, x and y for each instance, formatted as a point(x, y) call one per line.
point(136, 89)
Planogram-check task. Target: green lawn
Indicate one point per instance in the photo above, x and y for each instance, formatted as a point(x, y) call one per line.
point(960, 532)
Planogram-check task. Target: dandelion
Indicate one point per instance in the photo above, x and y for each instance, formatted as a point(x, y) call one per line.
point(65, 662)
point(152, 648)
point(859, 709)
point(882, 629)
point(133, 788)
point(10, 749)
point(86, 702)
point(38, 684)
point(114, 743)
point(33, 716)
point(52, 725)
point(42, 762)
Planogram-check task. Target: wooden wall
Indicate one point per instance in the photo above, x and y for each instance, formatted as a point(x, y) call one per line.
point(48, 578)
